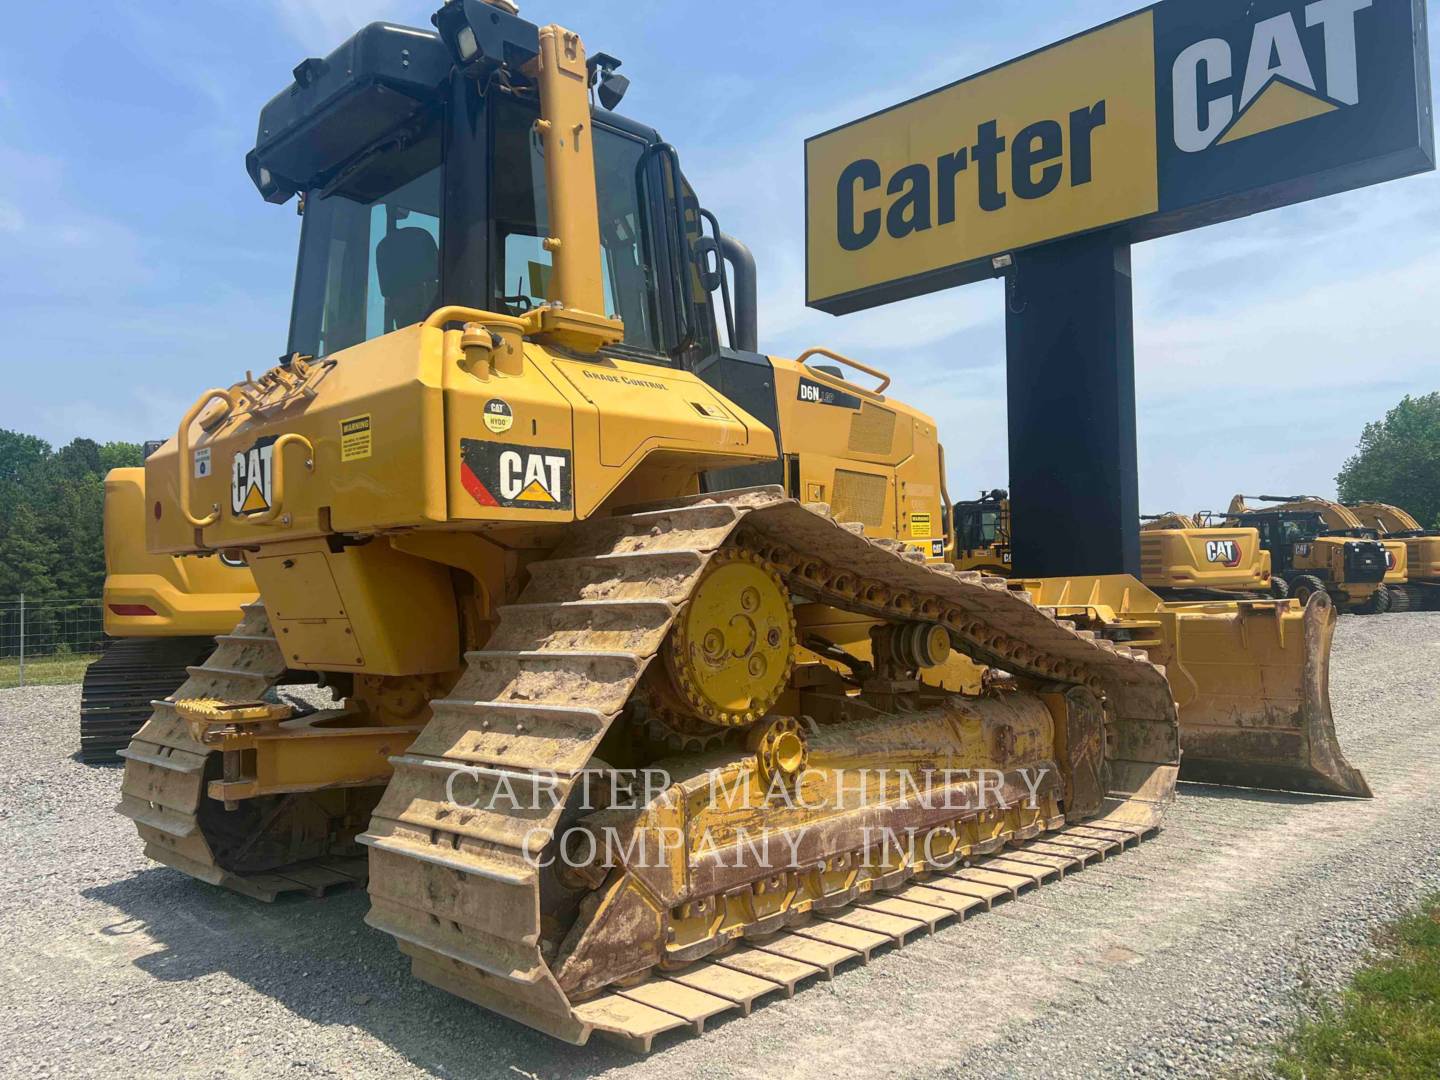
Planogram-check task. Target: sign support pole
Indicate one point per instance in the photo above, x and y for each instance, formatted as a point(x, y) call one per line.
point(1070, 348)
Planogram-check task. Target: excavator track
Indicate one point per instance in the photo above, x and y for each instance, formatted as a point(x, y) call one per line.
point(120, 689)
point(264, 847)
point(457, 884)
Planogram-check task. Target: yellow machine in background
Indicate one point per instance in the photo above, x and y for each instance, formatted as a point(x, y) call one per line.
point(1184, 559)
point(164, 613)
point(982, 533)
point(513, 500)
point(1421, 590)
point(1317, 545)
point(1178, 557)
point(1221, 657)
point(1247, 672)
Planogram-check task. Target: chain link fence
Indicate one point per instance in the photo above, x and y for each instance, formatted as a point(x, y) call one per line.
point(48, 641)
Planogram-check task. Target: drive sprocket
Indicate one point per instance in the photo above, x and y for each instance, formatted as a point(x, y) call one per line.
point(730, 655)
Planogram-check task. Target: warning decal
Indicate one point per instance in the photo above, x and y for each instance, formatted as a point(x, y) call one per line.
point(919, 525)
point(355, 438)
point(529, 477)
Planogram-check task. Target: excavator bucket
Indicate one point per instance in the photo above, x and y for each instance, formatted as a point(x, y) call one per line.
point(1251, 677)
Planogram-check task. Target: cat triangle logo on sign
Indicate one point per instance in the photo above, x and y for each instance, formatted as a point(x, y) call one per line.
point(1279, 104)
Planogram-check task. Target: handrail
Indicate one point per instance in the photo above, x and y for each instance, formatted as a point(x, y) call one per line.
point(277, 475)
point(182, 438)
point(455, 313)
point(947, 525)
point(866, 368)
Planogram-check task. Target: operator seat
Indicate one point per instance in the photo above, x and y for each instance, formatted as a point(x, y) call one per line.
point(407, 262)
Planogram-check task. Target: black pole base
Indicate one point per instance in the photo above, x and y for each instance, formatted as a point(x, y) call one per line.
point(1074, 477)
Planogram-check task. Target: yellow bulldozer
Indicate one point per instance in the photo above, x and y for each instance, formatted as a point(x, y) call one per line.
point(982, 533)
point(1421, 589)
point(1317, 545)
point(643, 642)
point(161, 614)
point(1199, 613)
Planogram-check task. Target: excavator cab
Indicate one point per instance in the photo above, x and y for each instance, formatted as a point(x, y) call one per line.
point(1317, 545)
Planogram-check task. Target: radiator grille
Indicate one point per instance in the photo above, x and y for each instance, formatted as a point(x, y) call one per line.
point(872, 430)
point(1152, 556)
point(859, 497)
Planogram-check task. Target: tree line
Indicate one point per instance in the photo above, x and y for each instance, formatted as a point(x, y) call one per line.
point(52, 501)
point(1398, 461)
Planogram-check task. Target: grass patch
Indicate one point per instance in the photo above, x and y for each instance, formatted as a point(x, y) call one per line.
point(1387, 1024)
point(46, 670)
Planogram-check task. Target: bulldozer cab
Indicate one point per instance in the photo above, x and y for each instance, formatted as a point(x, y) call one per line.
point(448, 206)
point(982, 531)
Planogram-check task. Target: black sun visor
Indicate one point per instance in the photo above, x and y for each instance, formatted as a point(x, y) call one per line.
point(375, 84)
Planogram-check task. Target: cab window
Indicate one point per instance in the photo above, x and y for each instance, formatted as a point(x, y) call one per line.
point(522, 266)
point(369, 252)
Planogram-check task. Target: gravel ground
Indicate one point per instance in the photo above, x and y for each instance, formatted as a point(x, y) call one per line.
point(1185, 957)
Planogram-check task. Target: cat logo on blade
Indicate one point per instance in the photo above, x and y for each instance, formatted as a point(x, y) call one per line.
point(525, 477)
point(1225, 552)
point(250, 478)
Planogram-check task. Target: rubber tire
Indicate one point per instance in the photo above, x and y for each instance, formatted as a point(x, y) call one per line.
point(1305, 586)
point(1400, 599)
point(1377, 603)
point(1279, 588)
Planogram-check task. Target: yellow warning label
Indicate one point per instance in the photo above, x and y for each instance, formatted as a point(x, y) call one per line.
point(920, 526)
point(355, 438)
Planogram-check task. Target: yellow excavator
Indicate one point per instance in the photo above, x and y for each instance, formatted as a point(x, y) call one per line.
point(633, 728)
point(1317, 545)
point(1184, 557)
point(162, 615)
point(1421, 590)
point(1180, 558)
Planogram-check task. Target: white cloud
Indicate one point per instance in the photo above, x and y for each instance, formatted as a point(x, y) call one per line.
point(11, 219)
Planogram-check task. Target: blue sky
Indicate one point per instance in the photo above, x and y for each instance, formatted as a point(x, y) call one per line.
point(140, 266)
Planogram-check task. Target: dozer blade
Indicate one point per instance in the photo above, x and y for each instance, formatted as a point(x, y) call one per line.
point(1251, 677)
point(1253, 684)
